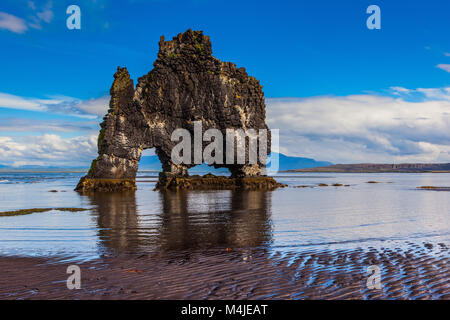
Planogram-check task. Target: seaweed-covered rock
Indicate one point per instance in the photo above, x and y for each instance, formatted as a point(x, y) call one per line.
point(212, 182)
point(186, 85)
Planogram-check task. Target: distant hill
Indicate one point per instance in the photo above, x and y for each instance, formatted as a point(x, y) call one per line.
point(375, 168)
point(285, 163)
point(291, 163)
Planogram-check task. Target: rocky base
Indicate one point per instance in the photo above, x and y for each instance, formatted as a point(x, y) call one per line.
point(212, 182)
point(105, 185)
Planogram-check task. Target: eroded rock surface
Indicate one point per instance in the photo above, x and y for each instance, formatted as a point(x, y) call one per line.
point(187, 84)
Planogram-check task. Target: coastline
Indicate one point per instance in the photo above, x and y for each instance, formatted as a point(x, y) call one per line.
point(381, 168)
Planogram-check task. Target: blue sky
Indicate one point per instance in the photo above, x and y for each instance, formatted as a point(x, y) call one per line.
point(309, 55)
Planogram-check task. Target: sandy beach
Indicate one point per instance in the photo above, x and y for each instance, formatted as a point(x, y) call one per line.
point(411, 273)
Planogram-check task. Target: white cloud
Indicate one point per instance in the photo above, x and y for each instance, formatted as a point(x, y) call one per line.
point(16, 102)
point(12, 124)
point(48, 149)
point(435, 93)
point(91, 108)
point(40, 15)
point(445, 67)
point(97, 106)
point(400, 90)
point(28, 163)
point(12, 23)
point(365, 128)
point(44, 14)
point(422, 94)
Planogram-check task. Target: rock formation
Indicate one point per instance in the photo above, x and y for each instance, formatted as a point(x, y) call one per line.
point(187, 84)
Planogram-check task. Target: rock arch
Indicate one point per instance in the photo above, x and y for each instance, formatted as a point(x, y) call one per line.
point(187, 84)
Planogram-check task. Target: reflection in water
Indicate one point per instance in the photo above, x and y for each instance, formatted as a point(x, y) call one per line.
point(117, 220)
point(184, 220)
point(242, 221)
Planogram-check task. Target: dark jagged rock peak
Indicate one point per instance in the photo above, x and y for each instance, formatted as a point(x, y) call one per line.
point(187, 84)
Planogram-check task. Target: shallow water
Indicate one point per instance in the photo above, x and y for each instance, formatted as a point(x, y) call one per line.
point(390, 214)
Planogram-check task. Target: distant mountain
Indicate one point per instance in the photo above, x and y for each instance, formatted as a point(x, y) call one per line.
point(285, 163)
point(374, 168)
point(291, 163)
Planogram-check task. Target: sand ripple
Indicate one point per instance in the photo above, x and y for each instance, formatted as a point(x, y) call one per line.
point(411, 273)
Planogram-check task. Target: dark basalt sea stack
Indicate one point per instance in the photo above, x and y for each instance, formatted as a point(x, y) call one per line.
point(187, 84)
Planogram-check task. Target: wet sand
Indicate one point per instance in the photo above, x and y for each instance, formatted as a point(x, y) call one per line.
point(413, 272)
